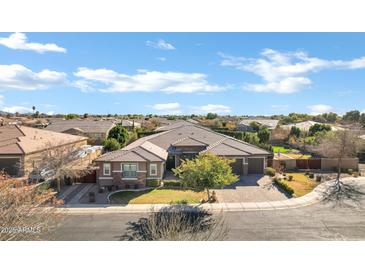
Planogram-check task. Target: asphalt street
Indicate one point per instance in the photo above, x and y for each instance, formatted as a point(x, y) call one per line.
point(316, 222)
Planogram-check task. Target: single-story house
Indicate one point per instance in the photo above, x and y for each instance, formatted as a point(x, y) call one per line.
point(245, 124)
point(130, 125)
point(149, 157)
point(21, 147)
point(96, 131)
point(277, 133)
point(175, 124)
point(305, 126)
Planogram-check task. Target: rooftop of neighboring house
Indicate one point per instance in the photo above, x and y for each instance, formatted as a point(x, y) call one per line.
point(175, 124)
point(305, 126)
point(129, 123)
point(25, 140)
point(269, 123)
point(156, 147)
point(87, 126)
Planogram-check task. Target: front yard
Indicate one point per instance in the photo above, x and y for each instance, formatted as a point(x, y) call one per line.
point(300, 183)
point(158, 196)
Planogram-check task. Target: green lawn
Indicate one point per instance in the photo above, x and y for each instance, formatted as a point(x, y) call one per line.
point(157, 196)
point(281, 149)
point(301, 184)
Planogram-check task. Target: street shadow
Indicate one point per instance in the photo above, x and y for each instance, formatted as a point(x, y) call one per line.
point(176, 222)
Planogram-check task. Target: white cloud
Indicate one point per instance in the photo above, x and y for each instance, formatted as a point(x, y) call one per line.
point(211, 108)
point(162, 59)
point(160, 44)
point(19, 41)
point(15, 109)
point(106, 80)
point(319, 109)
point(167, 108)
point(22, 78)
point(285, 72)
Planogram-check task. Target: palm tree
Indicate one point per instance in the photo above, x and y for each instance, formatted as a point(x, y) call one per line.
point(33, 107)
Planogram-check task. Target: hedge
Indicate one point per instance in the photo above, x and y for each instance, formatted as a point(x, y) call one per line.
point(155, 183)
point(283, 185)
point(172, 183)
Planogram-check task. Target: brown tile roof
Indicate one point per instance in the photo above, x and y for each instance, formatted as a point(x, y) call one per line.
point(25, 140)
point(87, 126)
point(159, 144)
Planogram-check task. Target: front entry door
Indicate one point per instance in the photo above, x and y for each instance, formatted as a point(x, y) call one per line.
point(170, 163)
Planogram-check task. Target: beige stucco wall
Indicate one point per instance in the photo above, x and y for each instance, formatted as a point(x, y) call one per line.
point(32, 160)
point(331, 164)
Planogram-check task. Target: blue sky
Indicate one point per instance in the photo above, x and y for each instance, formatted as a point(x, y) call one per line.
point(182, 73)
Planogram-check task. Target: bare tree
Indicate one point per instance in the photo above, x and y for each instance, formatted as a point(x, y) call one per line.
point(339, 145)
point(60, 162)
point(177, 223)
point(26, 211)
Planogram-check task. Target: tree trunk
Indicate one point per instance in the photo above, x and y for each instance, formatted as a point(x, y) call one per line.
point(339, 163)
point(58, 182)
point(208, 194)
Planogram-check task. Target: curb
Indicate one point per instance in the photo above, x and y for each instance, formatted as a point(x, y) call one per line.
point(311, 198)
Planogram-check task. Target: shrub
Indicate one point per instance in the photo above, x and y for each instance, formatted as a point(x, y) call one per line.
point(270, 171)
point(311, 175)
point(172, 183)
point(180, 202)
point(154, 183)
point(318, 178)
point(290, 178)
point(350, 171)
point(284, 186)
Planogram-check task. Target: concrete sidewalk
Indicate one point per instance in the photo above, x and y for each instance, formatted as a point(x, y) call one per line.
point(311, 198)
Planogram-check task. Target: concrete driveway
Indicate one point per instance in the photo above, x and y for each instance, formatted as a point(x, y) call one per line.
point(251, 188)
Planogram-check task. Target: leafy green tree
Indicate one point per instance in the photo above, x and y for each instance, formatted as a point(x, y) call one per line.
point(86, 115)
point(318, 128)
point(294, 131)
point(119, 133)
point(211, 116)
point(206, 171)
point(330, 117)
point(111, 144)
point(71, 116)
point(264, 135)
point(352, 116)
point(255, 126)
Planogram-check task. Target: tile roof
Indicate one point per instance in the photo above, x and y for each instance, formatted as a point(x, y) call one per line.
point(159, 144)
point(25, 140)
point(88, 126)
point(270, 123)
point(174, 125)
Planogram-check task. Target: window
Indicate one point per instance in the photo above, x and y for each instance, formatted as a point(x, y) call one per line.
point(106, 167)
point(129, 170)
point(153, 169)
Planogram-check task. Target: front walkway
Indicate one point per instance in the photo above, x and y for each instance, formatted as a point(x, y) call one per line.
point(251, 188)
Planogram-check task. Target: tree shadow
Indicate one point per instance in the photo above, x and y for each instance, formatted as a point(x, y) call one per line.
point(342, 194)
point(177, 223)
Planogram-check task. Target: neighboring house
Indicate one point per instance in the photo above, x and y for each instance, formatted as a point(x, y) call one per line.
point(175, 124)
point(149, 157)
point(305, 126)
point(21, 147)
point(130, 125)
point(245, 125)
point(96, 131)
point(278, 133)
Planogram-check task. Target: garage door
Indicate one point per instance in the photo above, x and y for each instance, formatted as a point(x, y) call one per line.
point(255, 165)
point(237, 167)
point(10, 165)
